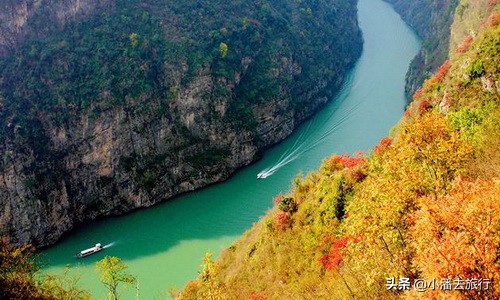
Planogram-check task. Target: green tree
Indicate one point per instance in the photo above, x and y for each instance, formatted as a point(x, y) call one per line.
point(113, 273)
point(134, 39)
point(223, 49)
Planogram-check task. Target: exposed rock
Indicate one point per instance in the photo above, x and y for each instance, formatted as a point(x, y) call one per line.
point(143, 149)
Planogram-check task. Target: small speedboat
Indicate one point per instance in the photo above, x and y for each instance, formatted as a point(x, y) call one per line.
point(98, 247)
point(262, 175)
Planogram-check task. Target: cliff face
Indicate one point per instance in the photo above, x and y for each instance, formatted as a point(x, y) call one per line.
point(19, 18)
point(431, 19)
point(115, 105)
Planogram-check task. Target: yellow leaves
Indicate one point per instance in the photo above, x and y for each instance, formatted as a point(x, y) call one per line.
point(113, 273)
point(428, 153)
point(223, 48)
point(424, 158)
point(134, 39)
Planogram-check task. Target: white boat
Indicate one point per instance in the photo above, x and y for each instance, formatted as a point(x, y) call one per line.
point(262, 175)
point(98, 247)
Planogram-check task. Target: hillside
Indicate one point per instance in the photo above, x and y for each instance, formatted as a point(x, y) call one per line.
point(423, 205)
point(111, 105)
point(431, 19)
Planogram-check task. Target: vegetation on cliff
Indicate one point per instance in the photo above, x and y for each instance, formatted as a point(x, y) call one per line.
point(422, 206)
point(141, 100)
point(20, 278)
point(431, 19)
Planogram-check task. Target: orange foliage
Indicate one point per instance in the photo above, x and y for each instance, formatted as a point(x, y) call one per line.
point(465, 44)
point(424, 106)
point(384, 143)
point(258, 296)
point(282, 221)
point(443, 69)
point(334, 257)
point(348, 161)
point(438, 77)
point(417, 94)
point(457, 234)
point(494, 19)
point(407, 113)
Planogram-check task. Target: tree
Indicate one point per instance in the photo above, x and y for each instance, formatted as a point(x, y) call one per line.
point(20, 277)
point(112, 273)
point(223, 49)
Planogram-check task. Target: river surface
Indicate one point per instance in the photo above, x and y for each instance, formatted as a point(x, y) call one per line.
point(164, 245)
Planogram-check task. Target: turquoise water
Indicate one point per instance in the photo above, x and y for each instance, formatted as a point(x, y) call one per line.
point(164, 245)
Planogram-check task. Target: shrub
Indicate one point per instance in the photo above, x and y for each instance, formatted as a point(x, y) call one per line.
point(383, 144)
point(287, 204)
point(282, 221)
point(494, 19)
point(424, 106)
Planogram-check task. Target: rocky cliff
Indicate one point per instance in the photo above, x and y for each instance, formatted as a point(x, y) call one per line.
point(431, 19)
point(19, 18)
point(108, 106)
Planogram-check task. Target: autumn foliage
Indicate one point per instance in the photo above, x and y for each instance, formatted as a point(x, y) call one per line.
point(334, 257)
point(457, 234)
point(20, 278)
point(438, 77)
point(282, 221)
point(424, 106)
point(465, 44)
point(425, 204)
point(494, 19)
point(384, 143)
point(258, 296)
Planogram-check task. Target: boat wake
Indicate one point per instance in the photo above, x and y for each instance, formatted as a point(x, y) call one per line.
point(109, 245)
point(306, 142)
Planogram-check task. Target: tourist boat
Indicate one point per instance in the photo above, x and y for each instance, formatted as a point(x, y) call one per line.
point(90, 251)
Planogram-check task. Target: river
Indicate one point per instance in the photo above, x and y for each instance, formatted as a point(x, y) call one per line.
point(164, 245)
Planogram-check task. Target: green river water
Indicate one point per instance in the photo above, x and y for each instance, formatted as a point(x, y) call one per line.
point(164, 245)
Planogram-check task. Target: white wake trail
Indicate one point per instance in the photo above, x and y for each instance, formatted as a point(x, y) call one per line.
point(295, 151)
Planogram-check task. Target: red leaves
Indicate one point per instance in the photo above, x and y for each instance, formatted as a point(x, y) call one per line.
point(384, 143)
point(354, 167)
point(348, 161)
point(334, 257)
point(345, 161)
point(441, 72)
point(282, 221)
point(443, 69)
point(465, 44)
point(258, 296)
point(424, 106)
